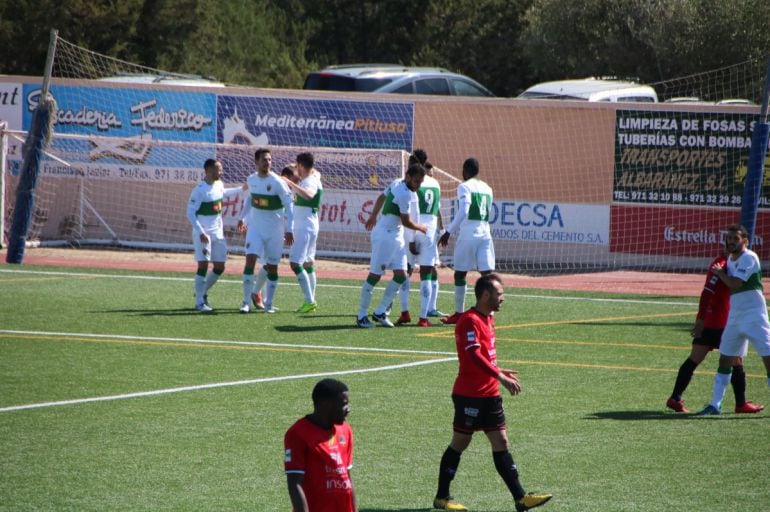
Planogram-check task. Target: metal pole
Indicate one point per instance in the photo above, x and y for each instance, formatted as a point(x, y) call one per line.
point(49, 63)
point(3, 162)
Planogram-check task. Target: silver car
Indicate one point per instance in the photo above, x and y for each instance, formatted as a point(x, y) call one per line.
point(392, 78)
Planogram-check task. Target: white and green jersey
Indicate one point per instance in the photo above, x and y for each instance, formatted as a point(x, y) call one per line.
point(306, 210)
point(474, 207)
point(204, 209)
point(429, 202)
point(748, 301)
point(398, 198)
point(269, 200)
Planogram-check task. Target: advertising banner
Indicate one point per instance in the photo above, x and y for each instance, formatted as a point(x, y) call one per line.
point(683, 158)
point(676, 231)
point(313, 122)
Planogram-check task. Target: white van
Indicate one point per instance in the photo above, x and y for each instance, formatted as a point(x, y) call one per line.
point(592, 89)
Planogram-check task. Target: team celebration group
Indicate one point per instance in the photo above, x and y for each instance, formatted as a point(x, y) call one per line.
point(407, 230)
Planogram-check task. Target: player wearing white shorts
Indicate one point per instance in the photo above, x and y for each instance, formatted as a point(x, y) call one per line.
point(388, 247)
point(747, 321)
point(308, 191)
point(474, 249)
point(426, 245)
point(266, 231)
point(204, 211)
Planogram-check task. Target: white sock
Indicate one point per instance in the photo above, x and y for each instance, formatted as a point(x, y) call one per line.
point(426, 293)
point(259, 281)
point(387, 298)
point(433, 294)
point(211, 278)
point(248, 286)
point(200, 285)
point(304, 284)
point(270, 288)
point(403, 294)
point(367, 291)
point(721, 381)
point(460, 298)
point(313, 279)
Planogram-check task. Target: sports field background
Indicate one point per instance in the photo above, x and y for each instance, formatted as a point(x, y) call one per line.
point(116, 395)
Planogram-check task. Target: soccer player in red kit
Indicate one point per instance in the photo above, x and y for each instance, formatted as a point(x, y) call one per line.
point(319, 454)
point(477, 401)
point(707, 333)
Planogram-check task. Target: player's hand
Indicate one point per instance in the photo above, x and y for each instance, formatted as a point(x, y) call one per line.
point(288, 237)
point(718, 267)
point(204, 238)
point(510, 381)
point(443, 241)
point(422, 228)
point(241, 227)
point(370, 223)
point(413, 248)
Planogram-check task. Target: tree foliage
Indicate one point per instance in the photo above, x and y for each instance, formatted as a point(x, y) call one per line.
point(505, 44)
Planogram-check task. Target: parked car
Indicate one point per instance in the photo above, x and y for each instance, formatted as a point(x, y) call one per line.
point(163, 79)
point(392, 78)
point(592, 89)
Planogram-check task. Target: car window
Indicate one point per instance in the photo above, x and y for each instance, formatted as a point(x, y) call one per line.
point(407, 88)
point(331, 82)
point(463, 88)
point(432, 86)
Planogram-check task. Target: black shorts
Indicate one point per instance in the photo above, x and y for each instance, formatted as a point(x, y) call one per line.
point(709, 338)
point(472, 414)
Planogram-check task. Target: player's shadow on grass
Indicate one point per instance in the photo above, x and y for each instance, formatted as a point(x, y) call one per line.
point(157, 312)
point(316, 328)
point(662, 415)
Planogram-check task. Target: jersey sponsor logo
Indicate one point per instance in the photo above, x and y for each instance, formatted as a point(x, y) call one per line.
point(287, 455)
point(334, 484)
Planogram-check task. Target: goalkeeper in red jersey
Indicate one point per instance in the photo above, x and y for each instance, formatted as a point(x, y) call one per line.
point(710, 322)
point(477, 401)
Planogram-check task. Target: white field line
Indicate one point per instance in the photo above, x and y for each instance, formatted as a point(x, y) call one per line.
point(199, 387)
point(345, 286)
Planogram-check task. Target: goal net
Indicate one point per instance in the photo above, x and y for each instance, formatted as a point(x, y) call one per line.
point(579, 186)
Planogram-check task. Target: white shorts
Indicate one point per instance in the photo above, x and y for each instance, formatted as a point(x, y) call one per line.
point(268, 246)
point(388, 252)
point(303, 249)
point(427, 249)
point(215, 250)
point(474, 254)
point(737, 336)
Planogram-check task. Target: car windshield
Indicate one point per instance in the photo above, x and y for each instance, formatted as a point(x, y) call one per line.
point(332, 82)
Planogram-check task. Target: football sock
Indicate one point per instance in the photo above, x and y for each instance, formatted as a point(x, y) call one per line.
point(447, 470)
point(738, 380)
point(211, 278)
point(312, 278)
point(506, 468)
point(460, 290)
point(433, 292)
point(200, 284)
point(304, 284)
point(403, 294)
point(425, 296)
point(272, 285)
point(248, 285)
point(388, 296)
point(367, 291)
point(721, 380)
point(259, 281)
point(683, 378)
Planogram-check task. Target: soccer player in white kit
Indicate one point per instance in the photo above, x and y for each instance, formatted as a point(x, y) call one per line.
point(308, 191)
point(747, 321)
point(474, 249)
point(425, 246)
point(388, 247)
point(266, 231)
point(204, 211)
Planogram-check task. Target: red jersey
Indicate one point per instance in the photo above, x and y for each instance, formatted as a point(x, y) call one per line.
point(477, 354)
point(324, 457)
point(714, 299)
